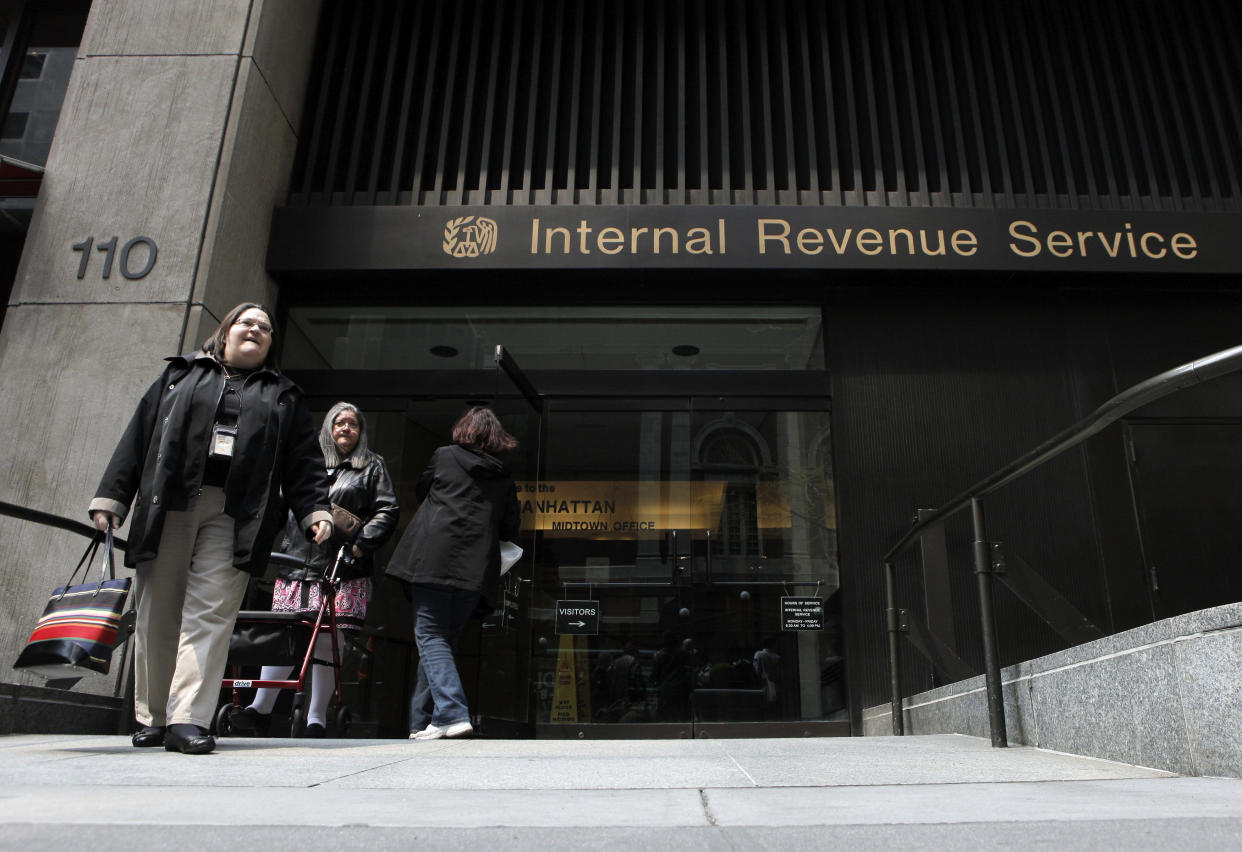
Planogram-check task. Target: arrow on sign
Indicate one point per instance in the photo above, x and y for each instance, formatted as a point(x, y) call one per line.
point(577, 623)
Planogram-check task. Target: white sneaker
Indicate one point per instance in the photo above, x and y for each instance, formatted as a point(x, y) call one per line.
point(434, 732)
point(459, 729)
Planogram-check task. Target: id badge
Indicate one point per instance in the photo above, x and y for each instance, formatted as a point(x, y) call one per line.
point(222, 438)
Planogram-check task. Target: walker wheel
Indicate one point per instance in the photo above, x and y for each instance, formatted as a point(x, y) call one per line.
point(297, 722)
point(223, 728)
point(343, 718)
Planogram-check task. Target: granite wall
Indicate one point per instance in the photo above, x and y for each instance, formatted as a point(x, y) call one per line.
point(1167, 695)
point(174, 144)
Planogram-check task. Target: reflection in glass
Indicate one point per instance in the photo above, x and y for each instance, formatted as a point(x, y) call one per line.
point(688, 527)
point(48, 54)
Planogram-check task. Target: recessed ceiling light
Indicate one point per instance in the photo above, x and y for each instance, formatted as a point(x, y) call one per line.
point(444, 351)
point(685, 350)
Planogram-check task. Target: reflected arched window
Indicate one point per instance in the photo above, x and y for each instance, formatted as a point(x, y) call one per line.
point(729, 457)
point(730, 449)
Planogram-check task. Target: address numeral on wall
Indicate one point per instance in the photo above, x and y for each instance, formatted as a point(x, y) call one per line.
point(123, 258)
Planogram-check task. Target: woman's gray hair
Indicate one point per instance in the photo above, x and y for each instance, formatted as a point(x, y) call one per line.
point(361, 456)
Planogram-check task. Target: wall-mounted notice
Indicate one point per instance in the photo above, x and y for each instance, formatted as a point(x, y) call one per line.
point(800, 613)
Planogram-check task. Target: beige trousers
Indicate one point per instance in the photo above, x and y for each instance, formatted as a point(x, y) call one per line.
point(186, 600)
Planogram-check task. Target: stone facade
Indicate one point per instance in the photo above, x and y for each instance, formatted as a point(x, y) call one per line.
point(1167, 695)
point(179, 125)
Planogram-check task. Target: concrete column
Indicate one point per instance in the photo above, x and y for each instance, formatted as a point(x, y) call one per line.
point(179, 127)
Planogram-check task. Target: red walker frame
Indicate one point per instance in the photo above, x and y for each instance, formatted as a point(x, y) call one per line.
point(328, 586)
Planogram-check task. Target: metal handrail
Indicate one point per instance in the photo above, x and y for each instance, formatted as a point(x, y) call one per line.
point(1157, 387)
point(47, 519)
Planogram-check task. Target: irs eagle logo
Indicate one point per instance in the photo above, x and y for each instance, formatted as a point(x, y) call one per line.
point(469, 236)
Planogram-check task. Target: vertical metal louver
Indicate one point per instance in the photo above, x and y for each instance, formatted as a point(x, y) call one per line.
point(1044, 103)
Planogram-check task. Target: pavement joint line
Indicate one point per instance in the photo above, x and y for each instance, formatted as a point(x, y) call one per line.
point(934, 784)
point(701, 790)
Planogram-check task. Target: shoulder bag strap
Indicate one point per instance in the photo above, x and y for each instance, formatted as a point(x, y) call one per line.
point(108, 563)
point(86, 558)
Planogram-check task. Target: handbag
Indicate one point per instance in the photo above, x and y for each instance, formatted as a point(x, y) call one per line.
point(345, 524)
point(79, 625)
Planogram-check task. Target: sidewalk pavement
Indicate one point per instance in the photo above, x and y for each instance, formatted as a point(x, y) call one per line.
point(910, 793)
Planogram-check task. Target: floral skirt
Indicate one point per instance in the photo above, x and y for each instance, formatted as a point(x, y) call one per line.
point(351, 600)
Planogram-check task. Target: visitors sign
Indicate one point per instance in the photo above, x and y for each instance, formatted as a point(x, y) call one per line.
point(577, 618)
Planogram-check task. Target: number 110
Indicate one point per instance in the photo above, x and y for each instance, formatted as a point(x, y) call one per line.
point(109, 250)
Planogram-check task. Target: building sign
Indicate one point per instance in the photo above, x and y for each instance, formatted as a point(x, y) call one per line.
point(626, 509)
point(802, 613)
point(356, 239)
point(577, 618)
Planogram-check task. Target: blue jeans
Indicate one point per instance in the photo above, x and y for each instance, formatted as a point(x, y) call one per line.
point(440, 614)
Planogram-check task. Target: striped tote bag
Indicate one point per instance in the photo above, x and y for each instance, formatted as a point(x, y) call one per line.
point(79, 626)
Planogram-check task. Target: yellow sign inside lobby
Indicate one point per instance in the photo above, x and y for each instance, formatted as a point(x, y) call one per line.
point(627, 509)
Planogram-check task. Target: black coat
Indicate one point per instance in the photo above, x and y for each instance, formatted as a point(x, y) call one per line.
point(158, 463)
point(468, 506)
point(368, 493)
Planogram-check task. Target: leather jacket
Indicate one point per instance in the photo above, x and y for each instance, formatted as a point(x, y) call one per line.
point(365, 490)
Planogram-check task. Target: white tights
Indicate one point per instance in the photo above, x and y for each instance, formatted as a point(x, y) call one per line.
point(321, 682)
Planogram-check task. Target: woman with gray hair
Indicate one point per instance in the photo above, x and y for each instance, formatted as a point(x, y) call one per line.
point(359, 482)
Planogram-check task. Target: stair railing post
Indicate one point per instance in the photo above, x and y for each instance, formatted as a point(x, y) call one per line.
point(987, 615)
point(894, 648)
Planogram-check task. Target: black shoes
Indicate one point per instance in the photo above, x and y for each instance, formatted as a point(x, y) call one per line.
point(249, 721)
point(314, 731)
point(150, 735)
point(188, 739)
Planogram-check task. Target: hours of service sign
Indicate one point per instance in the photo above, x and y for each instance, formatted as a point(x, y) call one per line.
point(801, 613)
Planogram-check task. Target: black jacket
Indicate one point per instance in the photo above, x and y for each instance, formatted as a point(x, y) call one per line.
point(368, 493)
point(158, 463)
point(468, 506)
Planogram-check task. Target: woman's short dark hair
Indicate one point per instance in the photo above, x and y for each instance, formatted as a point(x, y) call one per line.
point(479, 429)
point(215, 343)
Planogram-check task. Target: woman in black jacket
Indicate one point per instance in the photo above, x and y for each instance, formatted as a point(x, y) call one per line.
point(362, 486)
point(204, 460)
point(450, 557)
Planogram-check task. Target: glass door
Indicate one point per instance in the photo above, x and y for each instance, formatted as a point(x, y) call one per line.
point(497, 657)
point(494, 651)
point(684, 522)
point(650, 482)
point(762, 490)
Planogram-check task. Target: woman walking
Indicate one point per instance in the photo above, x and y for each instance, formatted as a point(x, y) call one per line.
point(449, 557)
point(204, 460)
point(361, 485)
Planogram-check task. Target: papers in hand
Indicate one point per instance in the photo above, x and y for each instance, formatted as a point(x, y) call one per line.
point(510, 553)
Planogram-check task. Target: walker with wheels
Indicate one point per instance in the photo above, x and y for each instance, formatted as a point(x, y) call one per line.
point(261, 638)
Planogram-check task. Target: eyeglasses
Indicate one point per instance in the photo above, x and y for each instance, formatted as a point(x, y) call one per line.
point(255, 324)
